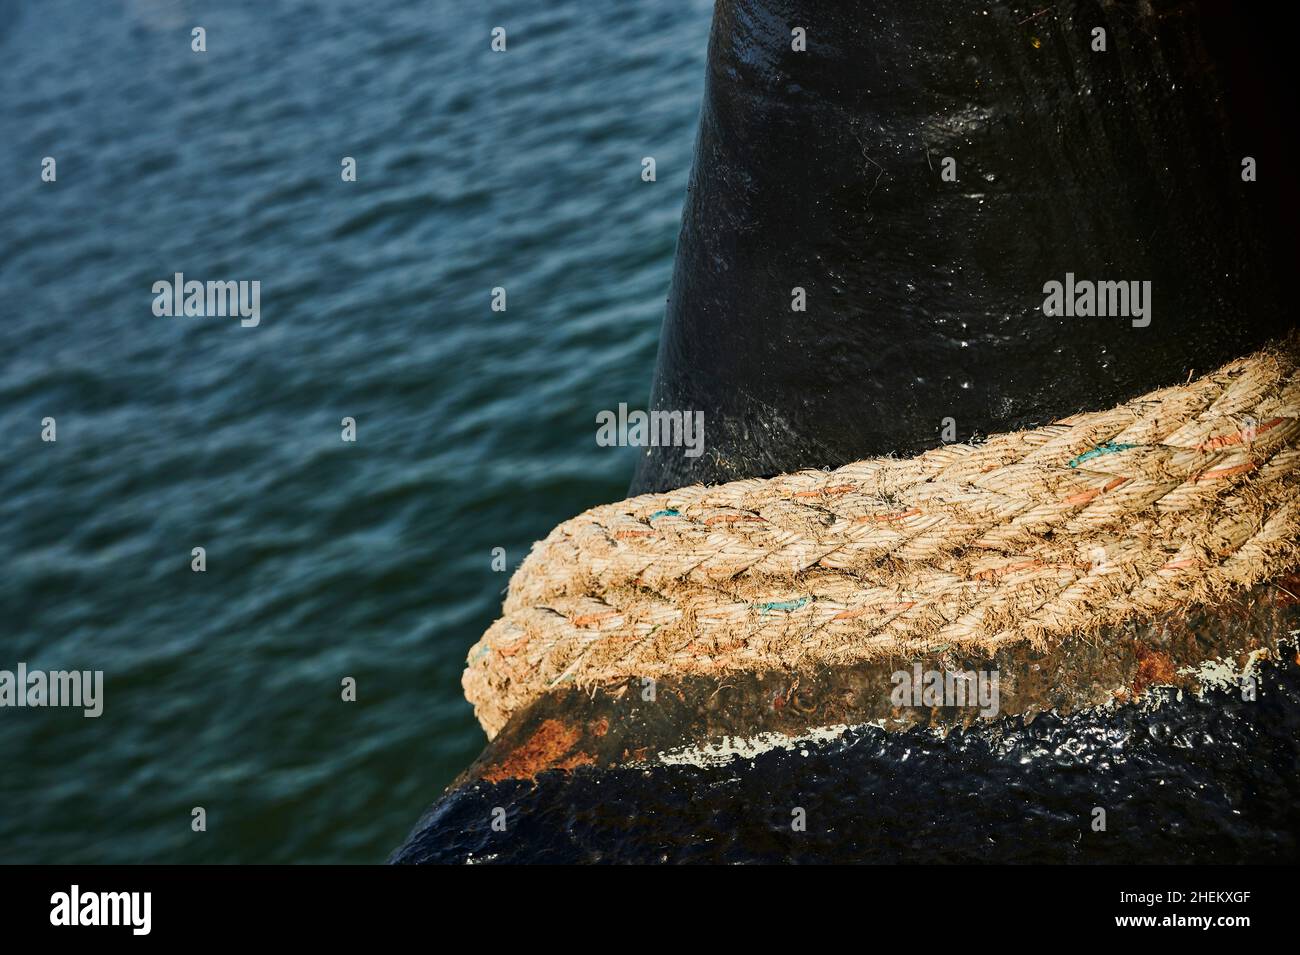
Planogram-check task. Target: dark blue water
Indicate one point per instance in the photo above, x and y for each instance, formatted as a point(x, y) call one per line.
point(326, 560)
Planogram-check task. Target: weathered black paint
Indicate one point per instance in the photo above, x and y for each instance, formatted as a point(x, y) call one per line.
point(614, 725)
point(924, 298)
point(1212, 780)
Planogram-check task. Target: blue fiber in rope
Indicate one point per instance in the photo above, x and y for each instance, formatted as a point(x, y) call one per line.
point(1110, 447)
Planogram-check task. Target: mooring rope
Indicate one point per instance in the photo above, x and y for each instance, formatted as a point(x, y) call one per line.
point(1180, 496)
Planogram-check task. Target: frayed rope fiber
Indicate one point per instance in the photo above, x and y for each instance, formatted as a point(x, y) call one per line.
point(1181, 496)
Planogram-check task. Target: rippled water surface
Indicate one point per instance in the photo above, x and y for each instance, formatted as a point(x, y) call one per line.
point(325, 560)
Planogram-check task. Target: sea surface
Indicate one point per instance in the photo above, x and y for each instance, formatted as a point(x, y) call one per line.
point(326, 559)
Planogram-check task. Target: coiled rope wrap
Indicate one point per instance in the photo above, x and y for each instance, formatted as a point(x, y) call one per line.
point(1180, 496)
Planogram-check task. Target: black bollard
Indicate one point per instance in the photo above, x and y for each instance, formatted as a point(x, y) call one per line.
point(921, 171)
point(916, 177)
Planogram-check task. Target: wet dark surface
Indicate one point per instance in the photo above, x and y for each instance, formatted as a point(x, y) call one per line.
point(822, 170)
point(1201, 780)
point(924, 298)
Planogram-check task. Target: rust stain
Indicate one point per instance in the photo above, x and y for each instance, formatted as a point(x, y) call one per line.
point(1288, 590)
point(552, 746)
point(1154, 669)
point(577, 729)
point(1244, 436)
point(1083, 497)
point(788, 696)
point(517, 646)
point(1218, 473)
point(799, 704)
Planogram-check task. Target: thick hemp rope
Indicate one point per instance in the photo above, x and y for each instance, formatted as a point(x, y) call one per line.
point(1180, 496)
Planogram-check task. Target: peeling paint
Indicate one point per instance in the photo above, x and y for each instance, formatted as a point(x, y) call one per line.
point(1215, 674)
point(749, 747)
point(1224, 672)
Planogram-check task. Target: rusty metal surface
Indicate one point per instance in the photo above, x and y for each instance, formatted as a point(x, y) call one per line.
point(616, 725)
point(1188, 771)
point(1212, 779)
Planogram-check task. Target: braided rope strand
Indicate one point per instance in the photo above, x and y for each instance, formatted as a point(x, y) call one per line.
point(1181, 495)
